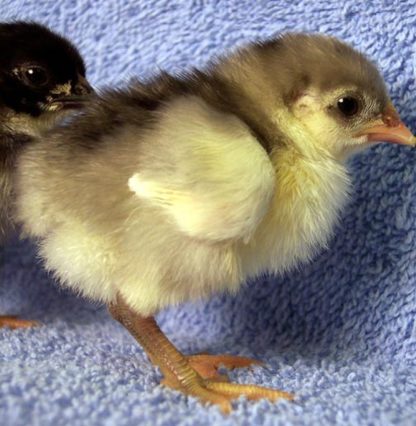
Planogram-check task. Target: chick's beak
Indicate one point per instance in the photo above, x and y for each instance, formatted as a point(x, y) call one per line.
point(389, 128)
point(82, 87)
point(69, 96)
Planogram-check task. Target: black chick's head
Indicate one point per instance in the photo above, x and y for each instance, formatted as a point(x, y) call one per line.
point(40, 71)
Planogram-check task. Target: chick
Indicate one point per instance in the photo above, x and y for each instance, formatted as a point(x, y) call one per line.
point(186, 186)
point(42, 77)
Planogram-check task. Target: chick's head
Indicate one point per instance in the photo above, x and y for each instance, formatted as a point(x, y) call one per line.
point(40, 71)
point(337, 97)
point(317, 92)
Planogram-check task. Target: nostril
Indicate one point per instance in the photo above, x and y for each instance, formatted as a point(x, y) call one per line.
point(387, 119)
point(82, 87)
point(79, 90)
point(391, 120)
point(390, 116)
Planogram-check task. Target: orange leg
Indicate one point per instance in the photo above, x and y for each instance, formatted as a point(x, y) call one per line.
point(195, 375)
point(14, 322)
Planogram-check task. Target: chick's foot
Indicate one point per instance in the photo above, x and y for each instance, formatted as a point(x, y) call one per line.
point(221, 393)
point(194, 375)
point(207, 365)
point(14, 322)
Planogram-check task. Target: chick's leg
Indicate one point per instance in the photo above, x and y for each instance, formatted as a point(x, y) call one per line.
point(14, 322)
point(177, 369)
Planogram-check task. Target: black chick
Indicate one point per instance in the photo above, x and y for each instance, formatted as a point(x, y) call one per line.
point(42, 78)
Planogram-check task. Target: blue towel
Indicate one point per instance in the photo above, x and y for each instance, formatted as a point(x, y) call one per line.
point(339, 332)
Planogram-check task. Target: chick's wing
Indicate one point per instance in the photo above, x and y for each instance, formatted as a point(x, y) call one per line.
point(206, 171)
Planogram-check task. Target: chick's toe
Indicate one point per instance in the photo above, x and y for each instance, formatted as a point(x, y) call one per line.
point(14, 322)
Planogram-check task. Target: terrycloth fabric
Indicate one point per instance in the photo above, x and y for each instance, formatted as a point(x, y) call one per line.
point(339, 332)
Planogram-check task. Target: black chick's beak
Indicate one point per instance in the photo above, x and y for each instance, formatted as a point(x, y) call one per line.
point(389, 128)
point(69, 102)
point(82, 87)
point(80, 93)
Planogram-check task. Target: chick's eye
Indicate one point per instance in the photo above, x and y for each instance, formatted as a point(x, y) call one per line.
point(348, 105)
point(35, 76)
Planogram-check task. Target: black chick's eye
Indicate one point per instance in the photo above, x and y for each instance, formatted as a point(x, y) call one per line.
point(349, 106)
point(34, 75)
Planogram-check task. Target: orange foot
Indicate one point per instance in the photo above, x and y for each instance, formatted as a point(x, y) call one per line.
point(207, 365)
point(14, 322)
point(215, 388)
point(222, 393)
point(195, 375)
